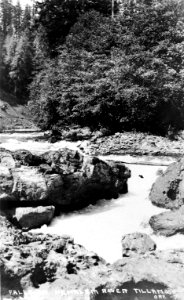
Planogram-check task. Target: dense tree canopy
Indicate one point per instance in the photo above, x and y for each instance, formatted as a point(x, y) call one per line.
point(85, 67)
point(58, 16)
point(16, 52)
point(122, 73)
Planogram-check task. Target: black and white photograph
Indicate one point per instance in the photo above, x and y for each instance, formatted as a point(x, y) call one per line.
point(92, 149)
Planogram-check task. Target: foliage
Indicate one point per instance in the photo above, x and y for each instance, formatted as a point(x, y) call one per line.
point(6, 12)
point(119, 74)
point(17, 17)
point(58, 16)
point(21, 65)
point(84, 67)
point(16, 53)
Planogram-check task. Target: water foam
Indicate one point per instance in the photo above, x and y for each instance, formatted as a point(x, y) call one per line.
point(100, 228)
point(31, 142)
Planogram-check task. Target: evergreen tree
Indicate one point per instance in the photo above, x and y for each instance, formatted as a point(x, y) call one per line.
point(17, 17)
point(129, 70)
point(41, 49)
point(58, 16)
point(27, 18)
point(2, 65)
point(6, 13)
point(16, 48)
point(21, 64)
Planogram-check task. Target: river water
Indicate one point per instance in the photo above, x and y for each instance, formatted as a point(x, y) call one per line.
point(100, 228)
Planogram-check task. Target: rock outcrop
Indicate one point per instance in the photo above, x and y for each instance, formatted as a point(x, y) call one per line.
point(122, 143)
point(38, 264)
point(152, 274)
point(64, 178)
point(77, 134)
point(168, 190)
point(168, 223)
point(161, 272)
point(29, 260)
point(137, 243)
point(31, 217)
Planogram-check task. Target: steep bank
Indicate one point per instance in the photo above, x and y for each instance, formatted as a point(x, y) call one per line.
point(13, 115)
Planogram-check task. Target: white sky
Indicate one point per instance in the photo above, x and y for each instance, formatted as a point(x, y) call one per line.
point(24, 2)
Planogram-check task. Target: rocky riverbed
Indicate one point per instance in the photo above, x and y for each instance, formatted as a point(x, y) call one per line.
point(38, 266)
point(36, 187)
point(134, 144)
point(66, 179)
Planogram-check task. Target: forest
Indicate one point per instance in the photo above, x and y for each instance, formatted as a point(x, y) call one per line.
point(75, 63)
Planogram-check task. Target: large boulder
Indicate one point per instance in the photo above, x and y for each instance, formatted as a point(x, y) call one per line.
point(144, 273)
point(38, 264)
point(168, 190)
point(6, 158)
point(168, 223)
point(7, 163)
point(30, 260)
point(154, 275)
point(6, 180)
point(31, 217)
point(29, 184)
point(25, 157)
point(137, 243)
point(64, 161)
point(63, 178)
point(77, 134)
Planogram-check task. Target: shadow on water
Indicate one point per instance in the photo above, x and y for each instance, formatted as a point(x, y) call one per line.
point(143, 290)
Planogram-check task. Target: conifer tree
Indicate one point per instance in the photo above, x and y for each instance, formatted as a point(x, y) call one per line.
point(21, 64)
point(17, 17)
point(6, 13)
point(26, 18)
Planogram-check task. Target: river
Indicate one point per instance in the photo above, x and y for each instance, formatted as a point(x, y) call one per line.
point(100, 228)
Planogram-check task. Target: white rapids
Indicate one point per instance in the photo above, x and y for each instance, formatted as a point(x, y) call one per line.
point(100, 228)
point(32, 142)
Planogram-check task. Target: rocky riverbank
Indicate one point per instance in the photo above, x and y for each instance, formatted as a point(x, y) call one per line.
point(133, 144)
point(39, 266)
point(35, 187)
point(168, 192)
point(38, 186)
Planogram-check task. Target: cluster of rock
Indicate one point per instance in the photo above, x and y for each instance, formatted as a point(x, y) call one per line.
point(75, 133)
point(168, 192)
point(134, 144)
point(34, 187)
point(33, 259)
point(56, 264)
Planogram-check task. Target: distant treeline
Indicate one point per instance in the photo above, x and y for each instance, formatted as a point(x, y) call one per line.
point(83, 67)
